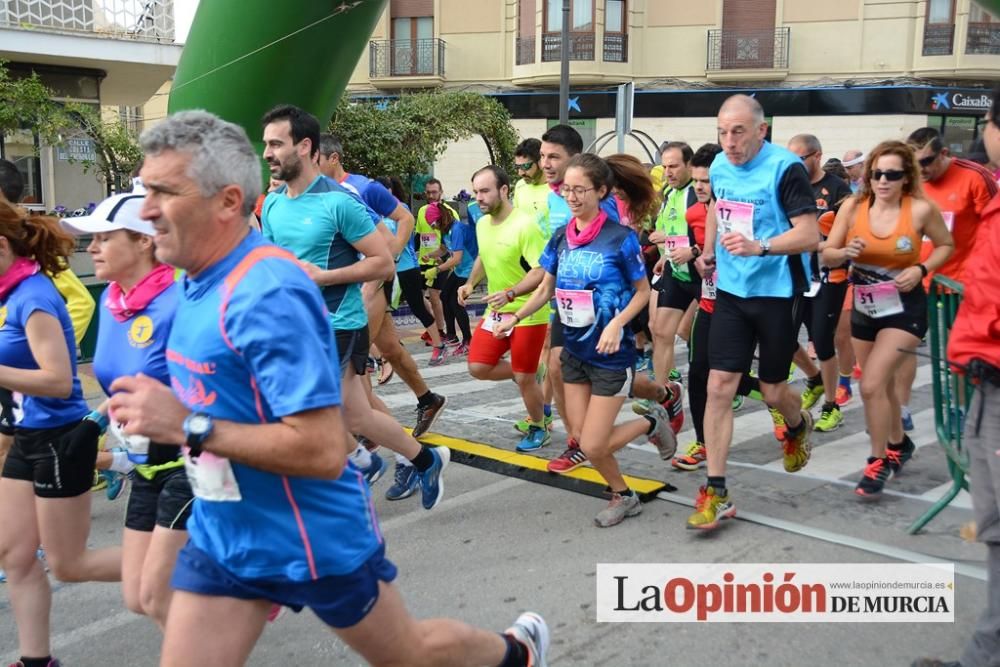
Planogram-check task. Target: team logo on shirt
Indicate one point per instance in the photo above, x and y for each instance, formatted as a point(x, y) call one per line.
point(904, 245)
point(3, 316)
point(140, 332)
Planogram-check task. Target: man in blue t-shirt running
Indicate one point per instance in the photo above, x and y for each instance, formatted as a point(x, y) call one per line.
point(326, 227)
point(281, 516)
point(760, 228)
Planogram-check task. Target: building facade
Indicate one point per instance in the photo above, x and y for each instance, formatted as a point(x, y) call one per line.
point(852, 72)
point(114, 54)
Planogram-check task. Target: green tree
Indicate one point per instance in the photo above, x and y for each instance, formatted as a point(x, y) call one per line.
point(405, 136)
point(27, 103)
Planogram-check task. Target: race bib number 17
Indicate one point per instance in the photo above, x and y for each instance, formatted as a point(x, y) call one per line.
point(735, 216)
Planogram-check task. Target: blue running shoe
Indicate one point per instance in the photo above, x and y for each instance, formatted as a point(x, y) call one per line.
point(431, 482)
point(3, 577)
point(374, 472)
point(405, 482)
point(907, 420)
point(116, 484)
point(536, 438)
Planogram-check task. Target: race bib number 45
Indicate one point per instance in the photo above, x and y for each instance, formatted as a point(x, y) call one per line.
point(878, 300)
point(492, 319)
point(735, 216)
point(576, 307)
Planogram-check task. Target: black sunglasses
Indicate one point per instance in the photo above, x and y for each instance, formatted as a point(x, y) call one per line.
point(929, 160)
point(890, 174)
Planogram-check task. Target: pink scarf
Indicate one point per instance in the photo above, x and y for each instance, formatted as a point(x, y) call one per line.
point(21, 268)
point(125, 305)
point(577, 238)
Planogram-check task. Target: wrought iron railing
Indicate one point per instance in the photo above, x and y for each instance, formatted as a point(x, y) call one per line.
point(983, 38)
point(748, 49)
point(581, 46)
point(525, 50)
point(406, 57)
point(615, 47)
point(939, 39)
point(146, 20)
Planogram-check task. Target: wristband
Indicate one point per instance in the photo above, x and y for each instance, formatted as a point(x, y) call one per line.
point(101, 420)
point(923, 270)
point(516, 317)
point(511, 295)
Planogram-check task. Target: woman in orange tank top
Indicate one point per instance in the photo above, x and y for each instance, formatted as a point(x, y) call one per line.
point(880, 231)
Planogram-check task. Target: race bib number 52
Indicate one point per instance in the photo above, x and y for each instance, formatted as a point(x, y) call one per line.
point(576, 307)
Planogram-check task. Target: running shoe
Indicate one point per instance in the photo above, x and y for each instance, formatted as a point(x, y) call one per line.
point(618, 509)
point(385, 372)
point(277, 611)
point(695, 457)
point(907, 419)
point(428, 414)
point(798, 449)
point(524, 425)
point(811, 395)
point(405, 482)
point(674, 376)
point(737, 403)
point(530, 629)
point(571, 459)
point(873, 480)
point(115, 484)
point(856, 372)
point(830, 419)
point(52, 663)
point(438, 355)
point(844, 395)
point(426, 337)
point(673, 404)
point(534, 439)
point(663, 437)
point(371, 365)
point(899, 457)
point(779, 424)
point(374, 472)
point(3, 577)
point(461, 350)
point(431, 481)
point(451, 341)
point(100, 482)
point(709, 509)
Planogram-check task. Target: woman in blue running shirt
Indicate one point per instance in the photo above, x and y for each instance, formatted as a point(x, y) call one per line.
point(137, 313)
point(45, 486)
point(596, 272)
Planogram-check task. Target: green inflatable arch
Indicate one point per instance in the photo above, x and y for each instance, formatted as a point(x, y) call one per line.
point(243, 57)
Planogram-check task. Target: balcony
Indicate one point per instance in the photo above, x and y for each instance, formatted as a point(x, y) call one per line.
point(147, 20)
point(581, 46)
point(748, 49)
point(404, 63)
point(939, 39)
point(983, 38)
point(615, 47)
point(525, 50)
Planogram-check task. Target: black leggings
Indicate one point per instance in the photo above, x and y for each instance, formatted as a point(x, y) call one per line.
point(698, 373)
point(411, 284)
point(453, 310)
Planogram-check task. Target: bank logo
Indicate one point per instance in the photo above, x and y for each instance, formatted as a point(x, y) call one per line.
point(947, 101)
point(940, 102)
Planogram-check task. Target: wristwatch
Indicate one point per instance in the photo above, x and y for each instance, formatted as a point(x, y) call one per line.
point(198, 427)
point(695, 251)
point(765, 247)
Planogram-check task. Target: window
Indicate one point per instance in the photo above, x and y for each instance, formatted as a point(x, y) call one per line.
point(939, 28)
point(412, 45)
point(614, 16)
point(979, 15)
point(615, 32)
point(940, 11)
point(525, 32)
point(581, 15)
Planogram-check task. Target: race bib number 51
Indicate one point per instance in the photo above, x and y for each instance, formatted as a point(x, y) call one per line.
point(735, 216)
point(878, 300)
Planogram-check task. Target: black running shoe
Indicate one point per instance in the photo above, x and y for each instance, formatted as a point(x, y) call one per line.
point(873, 481)
point(899, 457)
point(428, 414)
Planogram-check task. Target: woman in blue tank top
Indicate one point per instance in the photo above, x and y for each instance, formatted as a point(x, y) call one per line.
point(137, 313)
point(45, 486)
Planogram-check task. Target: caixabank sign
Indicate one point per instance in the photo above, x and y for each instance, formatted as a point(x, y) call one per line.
point(957, 101)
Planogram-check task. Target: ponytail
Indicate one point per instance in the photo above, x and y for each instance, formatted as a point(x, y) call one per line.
point(36, 237)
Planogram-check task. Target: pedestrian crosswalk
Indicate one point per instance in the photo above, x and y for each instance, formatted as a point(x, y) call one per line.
point(485, 411)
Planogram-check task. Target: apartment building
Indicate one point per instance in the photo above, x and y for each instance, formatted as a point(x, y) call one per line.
point(853, 72)
point(110, 53)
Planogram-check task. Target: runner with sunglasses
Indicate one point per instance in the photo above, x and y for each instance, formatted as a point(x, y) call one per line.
point(531, 192)
point(879, 231)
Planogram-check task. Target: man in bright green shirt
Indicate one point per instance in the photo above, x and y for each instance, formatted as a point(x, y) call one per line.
point(531, 193)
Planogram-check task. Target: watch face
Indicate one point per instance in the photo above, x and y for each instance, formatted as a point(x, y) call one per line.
point(199, 424)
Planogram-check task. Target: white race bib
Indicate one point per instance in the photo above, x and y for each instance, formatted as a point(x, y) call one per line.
point(878, 300)
point(735, 216)
point(18, 406)
point(576, 307)
point(673, 242)
point(430, 242)
point(212, 477)
point(813, 289)
point(136, 446)
point(492, 319)
point(708, 289)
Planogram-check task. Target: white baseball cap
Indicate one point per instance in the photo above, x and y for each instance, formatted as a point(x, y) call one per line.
point(114, 213)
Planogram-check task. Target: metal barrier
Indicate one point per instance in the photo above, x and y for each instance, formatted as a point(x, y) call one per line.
point(952, 392)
